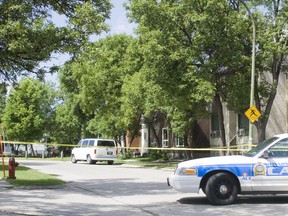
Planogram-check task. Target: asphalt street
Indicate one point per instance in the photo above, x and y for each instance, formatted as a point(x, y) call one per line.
point(120, 190)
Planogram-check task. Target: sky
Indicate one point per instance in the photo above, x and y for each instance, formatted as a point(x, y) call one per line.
point(118, 24)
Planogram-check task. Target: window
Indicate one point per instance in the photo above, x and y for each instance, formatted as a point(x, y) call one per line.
point(215, 122)
point(215, 126)
point(179, 141)
point(91, 142)
point(243, 125)
point(85, 144)
point(280, 149)
point(105, 143)
point(165, 137)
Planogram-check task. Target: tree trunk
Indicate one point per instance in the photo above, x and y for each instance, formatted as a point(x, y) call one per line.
point(123, 137)
point(276, 67)
point(32, 150)
point(261, 132)
point(188, 141)
point(221, 119)
point(155, 136)
point(261, 124)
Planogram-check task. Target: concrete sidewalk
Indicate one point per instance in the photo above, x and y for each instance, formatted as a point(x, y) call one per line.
point(5, 185)
point(28, 200)
point(33, 201)
point(69, 200)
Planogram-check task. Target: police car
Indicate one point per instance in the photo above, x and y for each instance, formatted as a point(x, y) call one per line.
point(262, 170)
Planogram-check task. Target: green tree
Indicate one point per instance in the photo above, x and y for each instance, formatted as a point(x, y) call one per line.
point(184, 46)
point(70, 122)
point(3, 94)
point(28, 35)
point(95, 79)
point(270, 18)
point(271, 58)
point(187, 41)
point(29, 110)
point(69, 117)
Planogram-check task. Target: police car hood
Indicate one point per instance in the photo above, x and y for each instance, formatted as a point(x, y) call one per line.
point(235, 159)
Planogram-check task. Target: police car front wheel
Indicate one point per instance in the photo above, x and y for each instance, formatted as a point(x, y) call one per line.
point(221, 189)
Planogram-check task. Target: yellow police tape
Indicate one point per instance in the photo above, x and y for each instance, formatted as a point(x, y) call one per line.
point(37, 143)
point(234, 148)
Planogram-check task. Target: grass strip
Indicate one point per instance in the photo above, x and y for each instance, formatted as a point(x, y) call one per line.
point(146, 162)
point(29, 177)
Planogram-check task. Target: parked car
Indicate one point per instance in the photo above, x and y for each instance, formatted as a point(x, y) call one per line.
point(93, 150)
point(262, 170)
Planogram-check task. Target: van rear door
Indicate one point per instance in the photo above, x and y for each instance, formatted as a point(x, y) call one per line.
point(107, 149)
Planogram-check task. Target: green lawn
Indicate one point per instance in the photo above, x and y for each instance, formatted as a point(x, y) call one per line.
point(146, 162)
point(30, 177)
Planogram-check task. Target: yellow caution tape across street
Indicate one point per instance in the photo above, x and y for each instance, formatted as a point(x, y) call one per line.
point(185, 149)
point(234, 148)
point(37, 143)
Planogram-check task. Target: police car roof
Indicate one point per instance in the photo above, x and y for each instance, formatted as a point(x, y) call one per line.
point(284, 135)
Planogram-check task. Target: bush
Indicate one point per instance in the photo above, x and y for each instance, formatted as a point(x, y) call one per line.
point(158, 155)
point(126, 155)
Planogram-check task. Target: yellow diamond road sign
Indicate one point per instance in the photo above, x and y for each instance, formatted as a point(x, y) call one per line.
point(252, 114)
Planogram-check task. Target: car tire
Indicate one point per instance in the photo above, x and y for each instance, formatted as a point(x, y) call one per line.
point(73, 159)
point(110, 162)
point(89, 160)
point(221, 189)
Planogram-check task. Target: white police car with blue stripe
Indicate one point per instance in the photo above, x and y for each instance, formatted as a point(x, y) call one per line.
point(262, 170)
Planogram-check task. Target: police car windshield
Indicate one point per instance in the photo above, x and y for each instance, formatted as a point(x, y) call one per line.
point(260, 147)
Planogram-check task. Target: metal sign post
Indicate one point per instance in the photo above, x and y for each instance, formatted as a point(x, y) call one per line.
point(3, 163)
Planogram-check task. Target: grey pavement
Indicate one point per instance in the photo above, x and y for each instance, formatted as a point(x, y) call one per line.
point(5, 185)
point(70, 199)
point(26, 201)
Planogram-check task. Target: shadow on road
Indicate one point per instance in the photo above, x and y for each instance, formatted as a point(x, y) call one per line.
point(243, 199)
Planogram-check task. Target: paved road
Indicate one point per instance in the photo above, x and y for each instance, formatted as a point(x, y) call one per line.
point(120, 190)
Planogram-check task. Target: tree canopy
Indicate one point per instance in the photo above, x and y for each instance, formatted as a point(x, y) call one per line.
point(184, 55)
point(29, 111)
point(96, 78)
point(212, 40)
point(29, 36)
point(189, 49)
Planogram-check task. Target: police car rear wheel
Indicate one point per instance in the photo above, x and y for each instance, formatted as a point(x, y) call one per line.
point(221, 189)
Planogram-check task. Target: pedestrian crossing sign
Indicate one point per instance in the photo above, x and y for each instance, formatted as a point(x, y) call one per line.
point(252, 114)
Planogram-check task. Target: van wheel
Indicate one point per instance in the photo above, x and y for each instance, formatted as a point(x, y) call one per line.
point(73, 159)
point(89, 160)
point(221, 189)
point(110, 162)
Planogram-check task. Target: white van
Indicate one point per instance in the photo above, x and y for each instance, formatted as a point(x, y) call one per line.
point(93, 150)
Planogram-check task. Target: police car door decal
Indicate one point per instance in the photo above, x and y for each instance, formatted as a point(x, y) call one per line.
point(271, 174)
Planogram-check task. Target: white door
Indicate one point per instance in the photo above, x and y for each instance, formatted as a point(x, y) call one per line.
point(83, 150)
point(106, 149)
point(272, 174)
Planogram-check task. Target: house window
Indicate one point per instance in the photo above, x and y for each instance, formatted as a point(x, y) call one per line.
point(165, 137)
point(215, 126)
point(215, 122)
point(179, 141)
point(243, 125)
